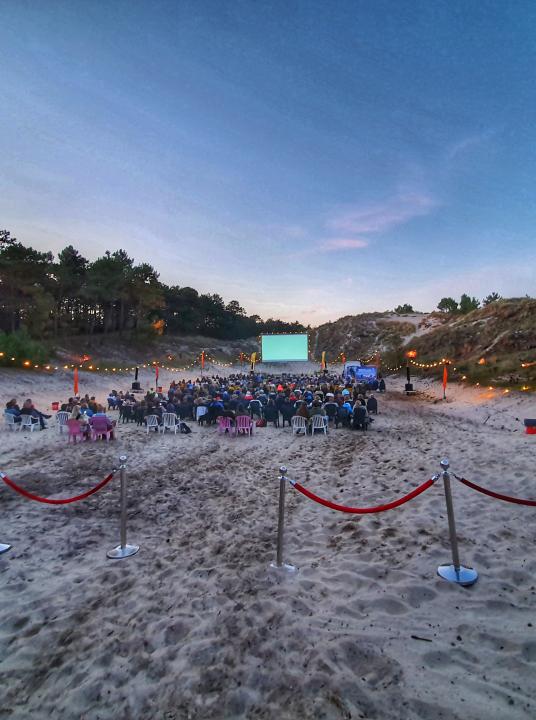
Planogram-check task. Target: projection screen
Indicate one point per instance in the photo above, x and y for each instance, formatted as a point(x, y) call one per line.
point(284, 348)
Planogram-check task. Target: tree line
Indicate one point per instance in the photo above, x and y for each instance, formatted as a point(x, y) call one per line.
point(47, 296)
point(449, 305)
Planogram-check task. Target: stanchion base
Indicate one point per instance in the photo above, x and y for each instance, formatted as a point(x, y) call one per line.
point(4, 548)
point(284, 568)
point(122, 552)
point(462, 576)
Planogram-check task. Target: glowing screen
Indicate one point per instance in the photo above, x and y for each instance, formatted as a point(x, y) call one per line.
point(284, 348)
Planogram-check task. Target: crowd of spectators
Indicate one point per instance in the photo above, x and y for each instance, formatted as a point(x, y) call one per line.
point(265, 398)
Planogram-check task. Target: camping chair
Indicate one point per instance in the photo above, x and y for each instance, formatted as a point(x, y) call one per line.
point(360, 420)
point(287, 414)
point(319, 422)
point(139, 414)
point(151, 421)
point(99, 428)
point(271, 414)
point(225, 425)
point(10, 422)
point(61, 420)
point(244, 425)
point(331, 409)
point(169, 422)
point(372, 405)
point(299, 423)
point(255, 408)
point(74, 430)
point(126, 413)
point(28, 421)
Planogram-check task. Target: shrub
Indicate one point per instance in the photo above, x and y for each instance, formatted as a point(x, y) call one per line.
point(19, 345)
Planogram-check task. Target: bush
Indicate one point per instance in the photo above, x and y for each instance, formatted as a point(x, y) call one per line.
point(19, 345)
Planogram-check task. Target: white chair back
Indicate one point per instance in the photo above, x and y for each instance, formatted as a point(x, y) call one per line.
point(169, 422)
point(319, 422)
point(298, 423)
point(61, 420)
point(151, 421)
point(201, 410)
point(27, 421)
point(10, 421)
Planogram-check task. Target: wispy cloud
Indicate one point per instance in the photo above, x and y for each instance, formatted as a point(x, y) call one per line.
point(356, 222)
point(470, 142)
point(343, 244)
point(380, 217)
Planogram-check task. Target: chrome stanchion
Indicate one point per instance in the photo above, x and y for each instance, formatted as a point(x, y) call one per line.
point(279, 564)
point(123, 550)
point(455, 573)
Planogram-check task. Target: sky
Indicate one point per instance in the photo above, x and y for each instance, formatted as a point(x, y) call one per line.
point(309, 159)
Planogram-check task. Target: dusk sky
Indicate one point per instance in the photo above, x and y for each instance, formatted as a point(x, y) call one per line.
point(309, 159)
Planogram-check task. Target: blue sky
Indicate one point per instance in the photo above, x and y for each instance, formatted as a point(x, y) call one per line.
point(310, 159)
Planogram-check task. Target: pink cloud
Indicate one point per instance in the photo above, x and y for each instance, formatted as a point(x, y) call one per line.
point(343, 244)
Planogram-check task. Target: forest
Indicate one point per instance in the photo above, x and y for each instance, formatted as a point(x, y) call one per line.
point(45, 297)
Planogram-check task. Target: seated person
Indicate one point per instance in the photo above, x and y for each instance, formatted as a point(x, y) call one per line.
point(372, 405)
point(271, 413)
point(77, 414)
point(287, 410)
point(343, 415)
point(29, 409)
point(360, 417)
point(316, 409)
point(110, 424)
point(13, 409)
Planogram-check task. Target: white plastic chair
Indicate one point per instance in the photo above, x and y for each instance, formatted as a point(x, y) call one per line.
point(28, 421)
point(10, 422)
point(61, 421)
point(299, 423)
point(169, 422)
point(151, 421)
point(201, 410)
point(319, 422)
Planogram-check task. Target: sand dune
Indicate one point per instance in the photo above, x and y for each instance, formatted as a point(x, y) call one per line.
point(197, 626)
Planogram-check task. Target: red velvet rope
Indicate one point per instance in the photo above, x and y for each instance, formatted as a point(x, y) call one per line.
point(499, 496)
point(50, 501)
point(362, 511)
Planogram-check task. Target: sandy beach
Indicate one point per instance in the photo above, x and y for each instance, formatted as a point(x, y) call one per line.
point(197, 626)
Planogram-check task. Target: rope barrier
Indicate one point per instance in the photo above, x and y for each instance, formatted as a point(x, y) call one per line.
point(51, 501)
point(362, 511)
point(491, 493)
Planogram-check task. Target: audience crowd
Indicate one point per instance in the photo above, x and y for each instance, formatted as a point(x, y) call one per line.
point(263, 398)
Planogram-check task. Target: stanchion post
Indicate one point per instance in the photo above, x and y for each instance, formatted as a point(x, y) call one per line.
point(456, 572)
point(123, 550)
point(279, 564)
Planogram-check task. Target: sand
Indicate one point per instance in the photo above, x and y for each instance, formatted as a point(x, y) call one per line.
point(196, 625)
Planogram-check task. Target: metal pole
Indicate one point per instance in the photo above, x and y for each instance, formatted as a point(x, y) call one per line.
point(279, 564)
point(123, 550)
point(281, 520)
point(123, 529)
point(450, 514)
point(456, 572)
